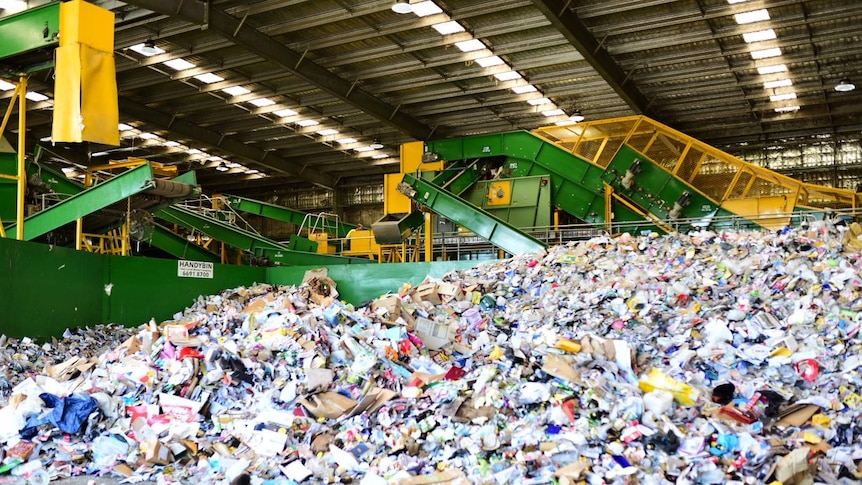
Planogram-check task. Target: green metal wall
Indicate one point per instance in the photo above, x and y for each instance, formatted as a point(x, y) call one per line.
point(361, 282)
point(45, 289)
point(8, 188)
point(145, 288)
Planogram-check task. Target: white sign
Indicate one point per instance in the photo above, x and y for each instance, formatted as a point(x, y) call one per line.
point(194, 269)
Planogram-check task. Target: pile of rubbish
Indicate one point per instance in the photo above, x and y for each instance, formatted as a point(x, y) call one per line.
point(708, 358)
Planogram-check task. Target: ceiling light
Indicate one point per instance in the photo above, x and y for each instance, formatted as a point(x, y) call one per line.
point(147, 48)
point(780, 83)
point(179, 64)
point(124, 127)
point(787, 109)
point(424, 9)
point(529, 88)
point(402, 7)
point(376, 144)
point(470, 45)
point(845, 86)
point(307, 123)
point(215, 159)
point(490, 61)
point(345, 141)
point(261, 102)
point(363, 149)
point(327, 132)
point(539, 101)
point(99, 154)
point(4, 86)
point(567, 122)
point(147, 136)
point(782, 97)
point(450, 27)
point(36, 97)
point(209, 78)
point(752, 16)
point(759, 36)
point(67, 170)
point(553, 112)
point(171, 144)
point(766, 53)
point(284, 113)
point(380, 156)
point(236, 90)
point(193, 151)
point(222, 167)
point(507, 76)
point(735, 1)
point(13, 6)
point(772, 69)
point(252, 171)
point(233, 165)
point(576, 116)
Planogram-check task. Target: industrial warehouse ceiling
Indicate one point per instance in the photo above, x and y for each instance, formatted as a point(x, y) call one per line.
point(275, 92)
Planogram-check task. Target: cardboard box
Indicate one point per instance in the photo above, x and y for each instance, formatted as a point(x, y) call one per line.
point(428, 292)
point(448, 291)
point(390, 303)
point(452, 476)
point(156, 452)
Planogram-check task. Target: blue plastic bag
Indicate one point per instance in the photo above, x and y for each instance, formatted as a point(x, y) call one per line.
point(68, 413)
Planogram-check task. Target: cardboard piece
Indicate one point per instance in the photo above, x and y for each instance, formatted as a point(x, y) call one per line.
point(796, 415)
point(390, 303)
point(452, 476)
point(321, 291)
point(22, 450)
point(73, 367)
point(328, 404)
point(560, 366)
point(793, 464)
point(156, 452)
point(572, 471)
point(372, 401)
point(427, 292)
point(435, 335)
point(448, 291)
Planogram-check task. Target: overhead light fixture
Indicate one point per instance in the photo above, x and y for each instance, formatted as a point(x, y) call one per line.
point(787, 109)
point(553, 112)
point(576, 116)
point(236, 90)
point(539, 101)
point(193, 151)
point(147, 48)
point(766, 53)
point(528, 88)
point(363, 149)
point(172, 144)
point(507, 76)
point(752, 16)
point(446, 28)
point(4, 86)
point(307, 123)
point(490, 61)
point(13, 6)
point(759, 36)
point(179, 64)
point(376, 144)
point(774, 69)
point(124, 127)
point(346, 141)
point(782, 97)
point(470, 45)
point(780, 83)
point(284, 113)
point(36, 97)
point(209, 78)
point(261, 102)
point(222, 167)
point(380, 156)
point(426, 8)
point(252, 171)
point(402, 7)
point(147, 136)
point(327, 132)
point(845, 86)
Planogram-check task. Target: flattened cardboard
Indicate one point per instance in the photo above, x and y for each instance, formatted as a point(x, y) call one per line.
point(452, 476)
point(796, 415)
point(156, 452)
point(330, 405)
point(558, 366)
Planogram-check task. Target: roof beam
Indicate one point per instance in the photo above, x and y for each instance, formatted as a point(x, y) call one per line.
point(229, 144)
point(266, 47)
point(566, 21)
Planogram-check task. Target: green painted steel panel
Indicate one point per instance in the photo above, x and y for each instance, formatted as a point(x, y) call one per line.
point(360, 283)
point(144, 288)
point(285, 214)
point(32, 29)
point(55, 179)
point(299, 243)
point(655, 189)
point(46, 289)
point(530, 204)
point(95, 198)
point(476, 220)
point(179, 247)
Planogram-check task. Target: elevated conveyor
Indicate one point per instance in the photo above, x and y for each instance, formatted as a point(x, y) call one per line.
point(285, 214)
point(255, 244)
point(162, 238)
point(483, 224)
point(139, 180)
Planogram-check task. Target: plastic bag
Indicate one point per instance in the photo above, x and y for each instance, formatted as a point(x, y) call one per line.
point(68, 413)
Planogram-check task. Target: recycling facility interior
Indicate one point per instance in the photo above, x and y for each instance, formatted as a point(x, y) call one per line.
point(152, 152)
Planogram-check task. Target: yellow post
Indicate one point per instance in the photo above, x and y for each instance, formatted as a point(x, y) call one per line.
point(79, 233)
point(22, 139)
point(429, 238)
point(124, 244)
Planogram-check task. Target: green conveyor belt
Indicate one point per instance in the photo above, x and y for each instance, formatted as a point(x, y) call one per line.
point(285, 214)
